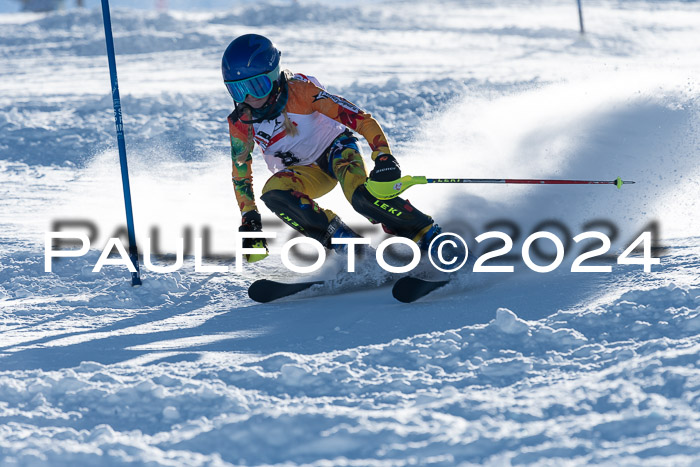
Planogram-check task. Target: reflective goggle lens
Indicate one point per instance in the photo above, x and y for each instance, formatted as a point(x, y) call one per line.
point(257, 86)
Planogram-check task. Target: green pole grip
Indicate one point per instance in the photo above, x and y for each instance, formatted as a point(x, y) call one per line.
point(390, 190)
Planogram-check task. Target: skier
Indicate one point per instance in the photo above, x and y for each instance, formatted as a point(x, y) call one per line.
point(306, 137)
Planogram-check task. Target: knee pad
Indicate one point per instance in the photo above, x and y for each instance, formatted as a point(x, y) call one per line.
point(299, 212)
point(397, 214)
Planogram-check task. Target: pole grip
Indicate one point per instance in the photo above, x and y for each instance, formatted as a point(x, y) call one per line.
point(390, 190)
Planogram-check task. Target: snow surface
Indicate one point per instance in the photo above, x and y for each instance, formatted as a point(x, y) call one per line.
point(498, 369)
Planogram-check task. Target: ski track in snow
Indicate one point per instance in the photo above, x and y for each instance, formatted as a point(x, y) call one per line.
point(502, 369)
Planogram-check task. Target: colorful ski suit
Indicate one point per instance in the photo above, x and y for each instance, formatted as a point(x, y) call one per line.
point(309, 164)
point(320, 117)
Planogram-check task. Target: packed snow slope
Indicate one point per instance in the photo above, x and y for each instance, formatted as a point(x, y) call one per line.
point(555, 368)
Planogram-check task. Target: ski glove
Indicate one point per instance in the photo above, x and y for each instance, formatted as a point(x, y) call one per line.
point(386, 169)
point(252, 222)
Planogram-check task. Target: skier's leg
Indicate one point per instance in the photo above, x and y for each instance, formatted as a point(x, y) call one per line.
point(397, 215)
point(343, 161)
point(290, 195)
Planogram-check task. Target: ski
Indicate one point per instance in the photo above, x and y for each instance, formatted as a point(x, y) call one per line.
point(409, 289)
point(265, 290)
point(406, 289)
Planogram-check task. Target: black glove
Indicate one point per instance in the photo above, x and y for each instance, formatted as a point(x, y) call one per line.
point(252, 222)
point(386, 169)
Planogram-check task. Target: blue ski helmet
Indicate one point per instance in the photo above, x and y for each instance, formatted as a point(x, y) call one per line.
point(250, 65)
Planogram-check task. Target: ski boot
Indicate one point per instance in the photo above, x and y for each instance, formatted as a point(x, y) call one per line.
point(340, 230)
point(448, 248)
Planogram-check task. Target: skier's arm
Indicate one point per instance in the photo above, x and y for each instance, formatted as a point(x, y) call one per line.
point(242, 162)
point(242, 176)
point(353, 117)
point(386, 167)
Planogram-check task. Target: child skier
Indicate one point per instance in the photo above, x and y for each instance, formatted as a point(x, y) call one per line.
point(305, 136)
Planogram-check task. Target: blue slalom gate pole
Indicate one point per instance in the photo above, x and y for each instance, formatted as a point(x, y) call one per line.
point(133, 251)
point(580, 16)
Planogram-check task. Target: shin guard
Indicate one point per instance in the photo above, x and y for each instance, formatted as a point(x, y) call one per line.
point(396, 214)
point(302, 214)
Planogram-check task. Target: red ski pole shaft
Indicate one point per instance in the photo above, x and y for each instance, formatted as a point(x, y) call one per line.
point(529, 181)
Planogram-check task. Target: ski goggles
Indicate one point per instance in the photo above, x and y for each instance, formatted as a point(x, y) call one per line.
point(258, 86)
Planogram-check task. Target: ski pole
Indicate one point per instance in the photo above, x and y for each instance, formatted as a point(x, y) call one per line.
point(389, 190)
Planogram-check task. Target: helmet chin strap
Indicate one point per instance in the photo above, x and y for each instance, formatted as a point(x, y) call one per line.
point(272, 107)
